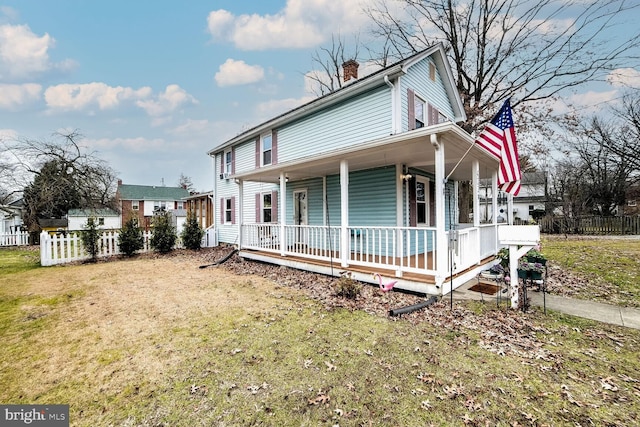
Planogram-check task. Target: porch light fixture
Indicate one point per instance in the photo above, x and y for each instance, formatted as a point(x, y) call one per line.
point(406, 176)
point(286, 179)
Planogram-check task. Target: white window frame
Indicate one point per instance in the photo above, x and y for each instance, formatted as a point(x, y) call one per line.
point(180, 205)
point(420, 118)
point(263, 151)
point(135, 205)
point(228, 210)
point(424, 181)
point(228, 162)
point(263, 208)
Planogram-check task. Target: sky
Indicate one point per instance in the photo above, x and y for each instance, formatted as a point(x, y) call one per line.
point(153, 85)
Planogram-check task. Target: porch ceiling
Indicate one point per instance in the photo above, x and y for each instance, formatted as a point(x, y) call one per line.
point(413, 149)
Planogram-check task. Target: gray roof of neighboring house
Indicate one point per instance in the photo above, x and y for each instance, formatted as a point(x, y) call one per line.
point(151, 192)
point(98, 212)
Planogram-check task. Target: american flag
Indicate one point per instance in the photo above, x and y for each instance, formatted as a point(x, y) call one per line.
point(499, 139)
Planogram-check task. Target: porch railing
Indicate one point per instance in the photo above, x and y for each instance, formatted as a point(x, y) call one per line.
point(409, 249)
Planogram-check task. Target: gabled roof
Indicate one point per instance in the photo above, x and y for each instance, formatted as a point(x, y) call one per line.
point(98, 212)
point(361, 85)
point(151, 192)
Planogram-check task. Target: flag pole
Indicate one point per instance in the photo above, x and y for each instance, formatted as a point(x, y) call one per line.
point(460, 161)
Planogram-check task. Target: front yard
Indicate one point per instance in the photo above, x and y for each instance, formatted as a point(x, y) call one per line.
point(156, 341)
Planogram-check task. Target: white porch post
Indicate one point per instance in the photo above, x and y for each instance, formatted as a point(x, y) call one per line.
point(240, 213)
point(344, 213)
point(510, 208)
point(399, 216)
point(441, 233)
point(282, 212)
point(475, 178)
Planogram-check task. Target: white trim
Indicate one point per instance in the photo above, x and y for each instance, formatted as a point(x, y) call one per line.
point(344, 213)
point(262, 150)
point(282, 212)
point(425, 181)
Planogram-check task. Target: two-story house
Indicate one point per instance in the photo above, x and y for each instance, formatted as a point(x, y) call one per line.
point(529, 204)
point(363, 179)
point(144, 201)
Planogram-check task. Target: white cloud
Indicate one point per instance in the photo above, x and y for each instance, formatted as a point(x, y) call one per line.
point(137, 145)
point(14, 96)
point(69, 97)
point(23, 53)
point(234, 72)
point(301, 24)
point(624, 77)
point(172, 98)
point(8, 135)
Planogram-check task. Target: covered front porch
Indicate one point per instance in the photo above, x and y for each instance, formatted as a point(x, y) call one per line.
point(431, 256)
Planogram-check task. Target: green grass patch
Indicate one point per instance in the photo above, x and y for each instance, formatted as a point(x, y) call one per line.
point(615, 262)
point(16, 260)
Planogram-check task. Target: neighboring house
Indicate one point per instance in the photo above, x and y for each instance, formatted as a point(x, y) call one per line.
point(53, 225)
point(202, 205)
point(632, 207)
point(11, 217)
point(106, 219)
point(528, 205)
point(145, 201)
point(355, 181)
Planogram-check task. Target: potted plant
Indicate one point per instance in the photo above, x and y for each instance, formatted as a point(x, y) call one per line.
point(534, 255)
point(530, 270)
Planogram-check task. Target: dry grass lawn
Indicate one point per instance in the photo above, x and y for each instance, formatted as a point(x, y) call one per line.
point(156, 341)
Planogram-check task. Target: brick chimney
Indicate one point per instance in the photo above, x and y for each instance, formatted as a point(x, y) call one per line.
point(350, 70)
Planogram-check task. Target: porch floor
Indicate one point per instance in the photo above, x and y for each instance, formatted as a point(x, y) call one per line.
point(362, 273)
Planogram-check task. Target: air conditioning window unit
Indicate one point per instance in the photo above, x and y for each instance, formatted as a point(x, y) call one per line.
point(225, 175)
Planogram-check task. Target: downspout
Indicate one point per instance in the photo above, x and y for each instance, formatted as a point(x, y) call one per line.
point(393, 103)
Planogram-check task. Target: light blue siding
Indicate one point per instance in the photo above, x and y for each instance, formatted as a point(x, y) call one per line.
point(431, 91)
point(372, 197)
point(357, 120)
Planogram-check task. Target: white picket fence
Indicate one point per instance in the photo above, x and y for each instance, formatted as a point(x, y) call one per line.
point(20, 238)
point(61, 249)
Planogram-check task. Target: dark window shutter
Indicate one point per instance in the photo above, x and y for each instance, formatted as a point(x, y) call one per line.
point(274, 147)
point(413, 206)
point(258, 206)
point(222, 206)
point(233, 210)
point(274, 206)
point(432, 203)
point(432, 115)
point(257, 152)
point(233, 160)
point(222, 164)
point(411, 107)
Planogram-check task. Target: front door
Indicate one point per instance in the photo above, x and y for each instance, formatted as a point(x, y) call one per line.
point(300, 214)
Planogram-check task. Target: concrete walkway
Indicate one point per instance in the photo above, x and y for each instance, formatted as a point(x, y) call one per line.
point(607, 313)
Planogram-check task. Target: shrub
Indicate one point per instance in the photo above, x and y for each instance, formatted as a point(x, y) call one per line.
point(347, 287)
point(130, 239)
point(89, 237)
point(192, 233)
point(164, 234)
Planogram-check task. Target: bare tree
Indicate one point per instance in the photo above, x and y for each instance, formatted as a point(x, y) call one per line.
point(62, 175)
point(524, 49)
point(185, 182)
point(624, 139)
point(327, 75)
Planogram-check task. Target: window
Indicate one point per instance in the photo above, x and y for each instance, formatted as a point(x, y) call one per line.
point(266, 207)
point(159, 206)
point(228, 211)
point(100, 221)
point(135, 205)
point(631, 203)
point(422, 202)
point(228, 161)
point(420, 109)
point(266, 150)
point(180, 205)
point(432, 71)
